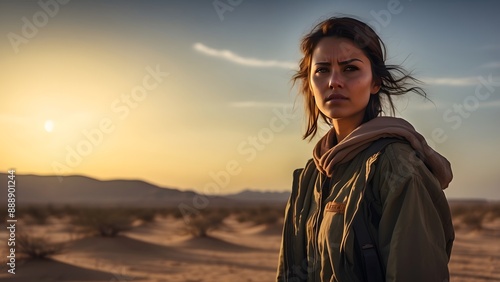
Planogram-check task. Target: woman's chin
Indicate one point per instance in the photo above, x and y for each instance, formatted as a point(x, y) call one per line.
point(334, 115)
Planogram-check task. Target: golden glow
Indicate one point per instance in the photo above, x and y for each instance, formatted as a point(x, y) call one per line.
point(49, 125)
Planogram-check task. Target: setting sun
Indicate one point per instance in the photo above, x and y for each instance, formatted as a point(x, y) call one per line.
point(49, 125)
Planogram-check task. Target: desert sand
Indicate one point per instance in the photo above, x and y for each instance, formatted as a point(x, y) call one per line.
point(237, 251)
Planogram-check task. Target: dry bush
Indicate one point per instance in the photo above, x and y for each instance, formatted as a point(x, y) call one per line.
point(35, 214)
point(165, 212)
point(243, 217)
point(36, 247)
point(201, 223)
point(68, 210)
point(175, 212)
point(493, 212)
point(458, 210)
point(150, 214)
point(473, 220)
point(260, 215)
point(60, 212)
point(246, 214)
point(40, 214)
point(146, 215)
point(267, 218)
point(474, 215)
point(103, 222)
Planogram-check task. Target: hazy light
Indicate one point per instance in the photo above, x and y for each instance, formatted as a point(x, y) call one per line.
point(49, 125)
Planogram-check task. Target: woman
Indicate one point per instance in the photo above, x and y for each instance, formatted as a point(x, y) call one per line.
point(369, 205)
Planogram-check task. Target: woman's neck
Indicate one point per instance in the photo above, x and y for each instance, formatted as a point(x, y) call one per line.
point(344, 127)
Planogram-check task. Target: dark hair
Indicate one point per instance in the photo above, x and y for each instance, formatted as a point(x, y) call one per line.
point(392, 79)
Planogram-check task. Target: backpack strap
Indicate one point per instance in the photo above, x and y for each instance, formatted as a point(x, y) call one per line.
point(373, 270)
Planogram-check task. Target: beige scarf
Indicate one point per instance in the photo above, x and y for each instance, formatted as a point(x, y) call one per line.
point(327, 153)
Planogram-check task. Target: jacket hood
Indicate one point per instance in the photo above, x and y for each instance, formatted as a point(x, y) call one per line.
point(327, 152)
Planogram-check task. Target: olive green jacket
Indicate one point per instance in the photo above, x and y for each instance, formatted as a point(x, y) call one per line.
point(405, 209)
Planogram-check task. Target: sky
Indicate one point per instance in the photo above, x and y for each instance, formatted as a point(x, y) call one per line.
point(196, 95)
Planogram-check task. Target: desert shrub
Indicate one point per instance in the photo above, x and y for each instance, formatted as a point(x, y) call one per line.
point(220, 212)
point(164, 212)
point(245, 214)
point(271, 215)
point(35, 214)
point(41, 214)
point(260, 215)
point(59, 211)
point(266, 218)
point(474, 215)
point(493, 212)
point(146, 215)
point(176, 213)
point(458, 210)
point(68, 210)
point(201, 223)
point(103, 222)
point(36, 247)
point(473, 219)
point(243, 217)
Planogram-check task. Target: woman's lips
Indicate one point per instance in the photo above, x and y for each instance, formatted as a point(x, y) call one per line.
point(336, 97)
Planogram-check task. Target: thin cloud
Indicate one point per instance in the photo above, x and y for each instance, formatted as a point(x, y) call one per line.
point(491, 65)
point(491, 104)
point(451, 81)
point(256, 104)
point(493, 81)
point(237, 59)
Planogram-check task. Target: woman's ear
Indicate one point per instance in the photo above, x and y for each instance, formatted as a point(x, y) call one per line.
point(375, 86)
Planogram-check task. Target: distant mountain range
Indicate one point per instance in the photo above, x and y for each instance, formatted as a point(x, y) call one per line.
point(254, 195)
point(82, 190)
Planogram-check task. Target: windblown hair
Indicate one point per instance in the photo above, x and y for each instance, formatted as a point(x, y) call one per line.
point(392, 79)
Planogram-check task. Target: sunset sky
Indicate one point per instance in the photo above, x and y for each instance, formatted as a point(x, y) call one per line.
point(190, 93)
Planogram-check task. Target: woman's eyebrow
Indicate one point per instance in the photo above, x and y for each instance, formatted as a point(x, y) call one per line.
point(322, 64)
point(349, 61)
point(325, 63)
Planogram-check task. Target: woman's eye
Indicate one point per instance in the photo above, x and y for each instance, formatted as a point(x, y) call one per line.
point(350, 68)
point(321, 70)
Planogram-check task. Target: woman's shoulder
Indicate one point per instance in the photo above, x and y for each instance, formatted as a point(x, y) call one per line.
point(398, 165)
point(400, 153)
point(391, 152)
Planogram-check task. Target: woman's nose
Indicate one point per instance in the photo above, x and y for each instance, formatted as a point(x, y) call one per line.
point(335, 80)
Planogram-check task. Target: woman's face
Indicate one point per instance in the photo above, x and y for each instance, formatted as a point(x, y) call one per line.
point(341, 79)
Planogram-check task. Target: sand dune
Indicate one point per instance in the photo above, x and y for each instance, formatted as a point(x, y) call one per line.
point(476, 255)
point(122, 248)
point(266, 230)
point(214, 244)
point(52, 270)
point(162, 251)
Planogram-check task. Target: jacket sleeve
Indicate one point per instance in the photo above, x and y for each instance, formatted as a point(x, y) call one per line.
point(292, 263)
point(280, 274)
point(412, 240)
